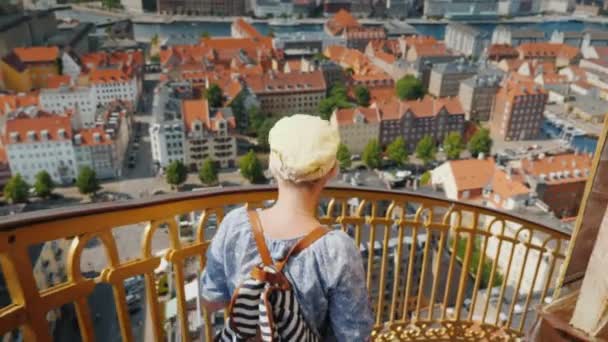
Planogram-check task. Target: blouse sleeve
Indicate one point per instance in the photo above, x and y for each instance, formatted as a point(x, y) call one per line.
point(350, 312)
point(214, 283)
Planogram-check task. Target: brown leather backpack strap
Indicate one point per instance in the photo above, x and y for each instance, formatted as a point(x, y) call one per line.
point(258, 234)
point(301, 245)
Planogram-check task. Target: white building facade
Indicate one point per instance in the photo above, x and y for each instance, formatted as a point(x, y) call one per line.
point(80, 99)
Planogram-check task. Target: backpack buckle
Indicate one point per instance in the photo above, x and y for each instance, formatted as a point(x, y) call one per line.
point(268, 274)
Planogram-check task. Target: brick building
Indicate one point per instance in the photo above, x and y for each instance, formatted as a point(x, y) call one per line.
point(413, 120)
point(357, 126)
point(559, 181)
point(518, 110)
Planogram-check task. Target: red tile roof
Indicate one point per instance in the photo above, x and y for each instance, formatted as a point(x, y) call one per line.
point(557, 166)
point(41, 121)
point(37, 54)
point(100, 76)
point(346, 116)
point(57, 81)
point(472, 174)
point(502, 51)
point(198, 110)
point(544, 50)
point(10, 102)
point(87, 136)
point(246, 29)
point(278, 82)
point(393, 109)
point(340, 21)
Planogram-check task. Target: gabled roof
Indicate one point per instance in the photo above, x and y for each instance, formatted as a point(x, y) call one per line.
point(472, 174)
point(394, 109)
point(198, 110)
point(341, 21)
point(37, 121)
point(541, 50)
point(87, 137)
point(346, 116)
point(278, 82)
point(558, 165)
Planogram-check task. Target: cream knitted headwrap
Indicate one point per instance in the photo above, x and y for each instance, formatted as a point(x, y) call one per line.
point(302, 148)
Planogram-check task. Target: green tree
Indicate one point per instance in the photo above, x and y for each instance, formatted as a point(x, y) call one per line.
point(409, 88)
point(256, 119)
point(44, 184)
point(87, 182)
point(208, 172)
point(154, 40)
point(319, 57)
point(425, 179)
point(480, 142)
point(205, 35)
point(16, 189)
point(251, 168)
point(337, 98)
point(362, 95)
point(397, 151)
point(240, 112)
point(452, 145)
point(371, 154)
point(425, 150)
point(271, 33)
point(343, 156)
point(176, 173)
point(263, 131)
point(214, 95)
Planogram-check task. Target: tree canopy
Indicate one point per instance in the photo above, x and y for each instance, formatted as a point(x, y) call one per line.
point(87, 181)
point(480, 142)
point(251, 168)
point(452, 145)
point(208, 172)
point(362, 95)
point(176, 173)
point(240, 112)
point(263, 131)
point(372, 154)
point(409, 88)
point(44, 184)
point(343, 156)
point(337, 98)
point(397, 151)
point(425, 150)
point(214, 95)
point(16, 189)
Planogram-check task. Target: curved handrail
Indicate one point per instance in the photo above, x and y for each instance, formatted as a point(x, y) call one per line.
point(45, 216)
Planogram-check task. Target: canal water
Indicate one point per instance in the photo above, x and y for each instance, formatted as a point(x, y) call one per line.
point(219, 29)
point(582, 143)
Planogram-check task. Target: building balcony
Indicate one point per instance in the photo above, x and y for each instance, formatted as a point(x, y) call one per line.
point(436, 269)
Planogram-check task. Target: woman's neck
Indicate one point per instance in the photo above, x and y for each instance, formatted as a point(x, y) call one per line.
point(301, 202)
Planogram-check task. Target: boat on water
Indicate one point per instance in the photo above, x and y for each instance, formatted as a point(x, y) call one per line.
point(283, 22)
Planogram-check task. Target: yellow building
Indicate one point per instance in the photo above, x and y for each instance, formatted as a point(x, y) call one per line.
point(29, 68)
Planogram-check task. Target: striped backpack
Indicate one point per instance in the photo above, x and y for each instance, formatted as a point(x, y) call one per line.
point(264, 307)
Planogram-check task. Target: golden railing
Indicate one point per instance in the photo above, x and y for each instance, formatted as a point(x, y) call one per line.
point(427, 264)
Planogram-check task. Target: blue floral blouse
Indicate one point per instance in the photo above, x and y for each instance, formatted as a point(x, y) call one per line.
point(328, 276)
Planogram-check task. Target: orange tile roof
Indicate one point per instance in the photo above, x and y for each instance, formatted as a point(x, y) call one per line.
point(246, 28)
point(198, 110)
point(382, 93)
point(3, 155)
point(23, 123)
point(394, 109)
point(87, 136)
point(278, 82)
point(507, 186)
point(543, 50)
point(430, 50)
point(100, 76)
point(517, 85)
point(345, 117)
point(10, 102)
point(57, 81)
point(502, 50)
point(419, 40)
point(340, 21)
point(559, 164)
point(472, 174)
point(385, 57)
point(37, 54)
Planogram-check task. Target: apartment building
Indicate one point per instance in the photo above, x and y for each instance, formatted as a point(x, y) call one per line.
point(413, 120)
point(560, 54)
point(167, 136)
point(460, 8)
point(113, 84)
point(466, 39)
point(445, 78)
point(477, 95)
point(559, 180)
point(513, 36)
point(357, 126)
point(287, 93)
point(80, 99)
point(518, 110)
point(36, 140)
point(208, 134)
